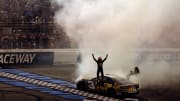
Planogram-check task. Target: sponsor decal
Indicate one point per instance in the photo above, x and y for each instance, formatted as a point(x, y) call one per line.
point(17, 58)
point(26, 58)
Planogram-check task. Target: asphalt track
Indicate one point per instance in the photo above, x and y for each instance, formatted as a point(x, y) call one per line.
point(34, 82)
point(11, 91)
point(14, 93)
point(166, 91)
point(61, 88)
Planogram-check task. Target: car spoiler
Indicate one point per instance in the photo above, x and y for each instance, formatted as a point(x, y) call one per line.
point(127, 85)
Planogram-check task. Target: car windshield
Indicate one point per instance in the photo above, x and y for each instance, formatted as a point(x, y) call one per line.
point(123, 81)
point(120, 79)
point(116, 78)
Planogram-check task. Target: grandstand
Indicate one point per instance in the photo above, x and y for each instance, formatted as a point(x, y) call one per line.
point(26, 24)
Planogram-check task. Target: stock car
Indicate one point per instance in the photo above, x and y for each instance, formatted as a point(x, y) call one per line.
point(109, 86)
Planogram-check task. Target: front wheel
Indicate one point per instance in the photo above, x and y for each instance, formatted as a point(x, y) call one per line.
point(81, 85)
point(111, 92)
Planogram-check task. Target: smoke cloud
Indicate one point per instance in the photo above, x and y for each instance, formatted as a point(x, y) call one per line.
point(118, 27)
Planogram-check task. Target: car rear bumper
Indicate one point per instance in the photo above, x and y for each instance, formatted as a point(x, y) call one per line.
point(126, 93)
point(130, 93)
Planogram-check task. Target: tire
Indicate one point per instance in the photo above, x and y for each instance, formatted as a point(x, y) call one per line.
point(111, 92)
point(81, 85)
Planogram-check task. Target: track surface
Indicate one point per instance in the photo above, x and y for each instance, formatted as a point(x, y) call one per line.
point(47, 85)
point(166, 91)
point(14, 93)
point(152, 93)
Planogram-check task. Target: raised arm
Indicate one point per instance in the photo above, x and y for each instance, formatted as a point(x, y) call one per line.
point(105, 58)
point(94, 57)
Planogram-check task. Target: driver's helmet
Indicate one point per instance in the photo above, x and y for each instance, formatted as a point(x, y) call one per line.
point(136, 70)
point(100, 58)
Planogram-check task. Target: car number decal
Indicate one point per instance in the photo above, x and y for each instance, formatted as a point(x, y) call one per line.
point(91, 85)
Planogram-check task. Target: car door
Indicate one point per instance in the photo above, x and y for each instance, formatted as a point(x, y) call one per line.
point(91, 85)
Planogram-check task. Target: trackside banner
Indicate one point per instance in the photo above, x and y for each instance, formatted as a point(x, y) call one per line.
point(26, 58)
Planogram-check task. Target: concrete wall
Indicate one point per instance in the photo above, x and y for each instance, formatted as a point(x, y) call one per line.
point(66, 56)
point(70, 56)
point(58, 56)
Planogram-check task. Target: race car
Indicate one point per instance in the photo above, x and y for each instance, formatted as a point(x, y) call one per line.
point(109, 86)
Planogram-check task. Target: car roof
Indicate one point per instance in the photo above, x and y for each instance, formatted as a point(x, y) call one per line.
point(116, 78)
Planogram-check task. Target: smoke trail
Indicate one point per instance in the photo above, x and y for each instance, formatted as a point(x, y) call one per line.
point(116, 27)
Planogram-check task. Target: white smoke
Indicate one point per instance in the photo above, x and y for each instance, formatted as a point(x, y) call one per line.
point(116, 27)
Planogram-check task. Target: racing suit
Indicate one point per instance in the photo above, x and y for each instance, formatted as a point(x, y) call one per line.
point(100, 66)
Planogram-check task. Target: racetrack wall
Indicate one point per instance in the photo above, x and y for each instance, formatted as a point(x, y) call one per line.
point(38, 56)
point(71, 56)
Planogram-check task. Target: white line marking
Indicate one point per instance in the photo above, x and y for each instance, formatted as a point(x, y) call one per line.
point(6, 74)
point(31, 80)
point(54, 85)
point(85, 94)
point(62, 88)
point(58, 87)
point(95, 96)
point(117, 100)
point(44, 83)
point(71, 90)
point(26, 80)
point(49, 84)
point(18, 77)
point(81, 93)
point(100, 97)
point(111, 99)
point(10, 75)
point(90, 95)
point(40, 82)
point(131, 99)
point(67, 89)
point(1, 73)
point(35, 81)
point(13, 77)
point(23, 78)
point(105, 99)
point(75, 92)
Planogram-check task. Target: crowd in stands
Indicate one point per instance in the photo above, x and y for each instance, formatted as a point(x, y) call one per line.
point(28, 24)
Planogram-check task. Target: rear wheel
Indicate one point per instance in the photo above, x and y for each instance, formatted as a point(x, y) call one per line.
point(81, 85)
point(111, 92)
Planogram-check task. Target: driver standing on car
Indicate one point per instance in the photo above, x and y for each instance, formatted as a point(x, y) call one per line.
point(100, 65)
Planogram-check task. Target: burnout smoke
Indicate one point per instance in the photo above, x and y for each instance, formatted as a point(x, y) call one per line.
point(117, 27)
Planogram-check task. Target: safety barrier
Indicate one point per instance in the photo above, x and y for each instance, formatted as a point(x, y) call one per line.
point(70, 56)
point(38, 56)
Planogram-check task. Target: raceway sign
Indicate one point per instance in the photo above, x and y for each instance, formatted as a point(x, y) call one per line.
point(26, 58)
